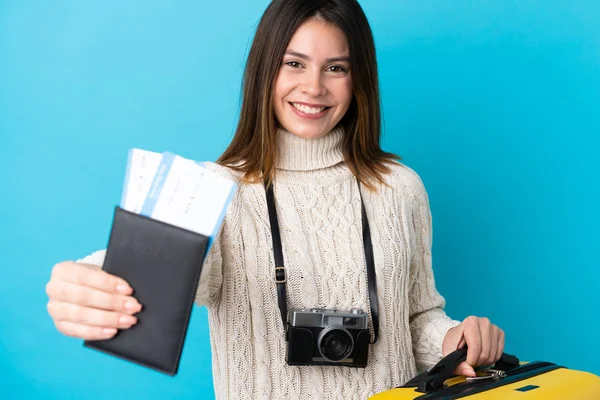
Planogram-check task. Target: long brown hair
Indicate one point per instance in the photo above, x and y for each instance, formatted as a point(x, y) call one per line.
point(253, 149)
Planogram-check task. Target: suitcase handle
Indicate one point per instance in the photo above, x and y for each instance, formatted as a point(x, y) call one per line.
point(443, 370)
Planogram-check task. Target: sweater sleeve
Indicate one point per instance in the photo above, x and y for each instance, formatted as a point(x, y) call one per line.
point(225, 251)
point(211, 277)
point(96, 258)
point(428, 321)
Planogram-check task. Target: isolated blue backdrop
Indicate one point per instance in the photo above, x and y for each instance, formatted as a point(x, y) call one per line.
point(494, 103)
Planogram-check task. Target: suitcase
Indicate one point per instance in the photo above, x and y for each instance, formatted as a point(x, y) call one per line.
point(508, 379)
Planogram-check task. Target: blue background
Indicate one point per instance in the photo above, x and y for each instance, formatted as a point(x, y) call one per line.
point(496, 104)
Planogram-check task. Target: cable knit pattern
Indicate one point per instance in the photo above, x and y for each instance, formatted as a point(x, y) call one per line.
point(318, 205)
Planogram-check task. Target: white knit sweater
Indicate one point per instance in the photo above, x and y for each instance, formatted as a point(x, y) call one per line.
point(318, 206)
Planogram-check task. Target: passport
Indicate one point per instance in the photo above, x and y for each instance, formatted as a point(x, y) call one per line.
point(171, 211)
point(162, 263)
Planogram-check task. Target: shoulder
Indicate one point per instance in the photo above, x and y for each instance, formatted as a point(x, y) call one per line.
point(246, 193)
point(225, 172)
point(405, 180)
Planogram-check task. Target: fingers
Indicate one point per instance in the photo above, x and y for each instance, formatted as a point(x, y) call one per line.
point(500, 346)
point(79, 315)
point(488, 342)
point(462, 343)
point(495, 340)
point(472, 336)
point(90, 276)
point(85, 332)
point(88, 303)
point(88, 297)
point(485, 342)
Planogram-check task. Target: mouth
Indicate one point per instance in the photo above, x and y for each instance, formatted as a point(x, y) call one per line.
point(309, 111)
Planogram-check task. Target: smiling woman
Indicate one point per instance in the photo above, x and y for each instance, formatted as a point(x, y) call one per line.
point(323, 221)
point(316, 66)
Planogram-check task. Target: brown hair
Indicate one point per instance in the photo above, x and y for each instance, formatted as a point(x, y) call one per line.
point(253, 149)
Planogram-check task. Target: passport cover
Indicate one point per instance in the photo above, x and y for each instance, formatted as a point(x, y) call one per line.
point(162, 263)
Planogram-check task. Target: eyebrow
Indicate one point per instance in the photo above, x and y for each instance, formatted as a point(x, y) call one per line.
point(329, 60)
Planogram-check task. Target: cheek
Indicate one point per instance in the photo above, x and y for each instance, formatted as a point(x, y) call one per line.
point(344, 93)
point(283, 86)
point(277, 90)
point(279, 93)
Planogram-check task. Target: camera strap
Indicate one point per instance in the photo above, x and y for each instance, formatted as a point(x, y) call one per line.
point(281, 276)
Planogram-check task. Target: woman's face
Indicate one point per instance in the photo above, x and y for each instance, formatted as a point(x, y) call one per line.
point(313, 88)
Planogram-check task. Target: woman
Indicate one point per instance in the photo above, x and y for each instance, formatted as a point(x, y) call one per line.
point(309, 124)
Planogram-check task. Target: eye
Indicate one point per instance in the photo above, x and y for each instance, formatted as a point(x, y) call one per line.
point(337, 69)
point(293, 64)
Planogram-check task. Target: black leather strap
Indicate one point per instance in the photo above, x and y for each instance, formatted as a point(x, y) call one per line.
point(281, 276)
point(371, 277)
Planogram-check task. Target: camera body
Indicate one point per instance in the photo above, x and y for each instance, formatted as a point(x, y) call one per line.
point(327, 337)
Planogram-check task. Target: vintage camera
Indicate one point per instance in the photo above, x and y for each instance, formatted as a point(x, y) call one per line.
point(327, 337)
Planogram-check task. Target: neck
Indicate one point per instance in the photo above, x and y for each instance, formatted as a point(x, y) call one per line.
point(298, 154)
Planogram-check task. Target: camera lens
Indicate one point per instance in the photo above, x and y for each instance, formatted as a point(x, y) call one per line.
point(335, 344)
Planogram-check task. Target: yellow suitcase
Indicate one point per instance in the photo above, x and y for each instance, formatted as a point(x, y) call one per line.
point(508, 379)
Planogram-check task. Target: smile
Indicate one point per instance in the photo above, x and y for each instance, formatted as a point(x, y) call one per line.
point(309, 112)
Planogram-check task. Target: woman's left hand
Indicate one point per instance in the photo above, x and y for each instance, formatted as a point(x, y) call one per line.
point(485, 343)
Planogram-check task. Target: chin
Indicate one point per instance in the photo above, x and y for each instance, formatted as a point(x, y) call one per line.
point(308, 133)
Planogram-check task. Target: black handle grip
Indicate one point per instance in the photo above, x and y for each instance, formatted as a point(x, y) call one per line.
point(444, 370)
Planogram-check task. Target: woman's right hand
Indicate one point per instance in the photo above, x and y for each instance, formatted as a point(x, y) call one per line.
point(89, 303)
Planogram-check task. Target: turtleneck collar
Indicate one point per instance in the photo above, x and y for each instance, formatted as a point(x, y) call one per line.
point(298, 154)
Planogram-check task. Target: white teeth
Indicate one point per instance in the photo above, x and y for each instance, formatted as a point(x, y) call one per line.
point(307, 109)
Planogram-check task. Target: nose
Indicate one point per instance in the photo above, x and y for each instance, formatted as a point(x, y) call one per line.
point(313, 84)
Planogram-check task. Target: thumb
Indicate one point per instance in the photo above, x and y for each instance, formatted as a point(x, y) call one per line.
point(465, 370)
